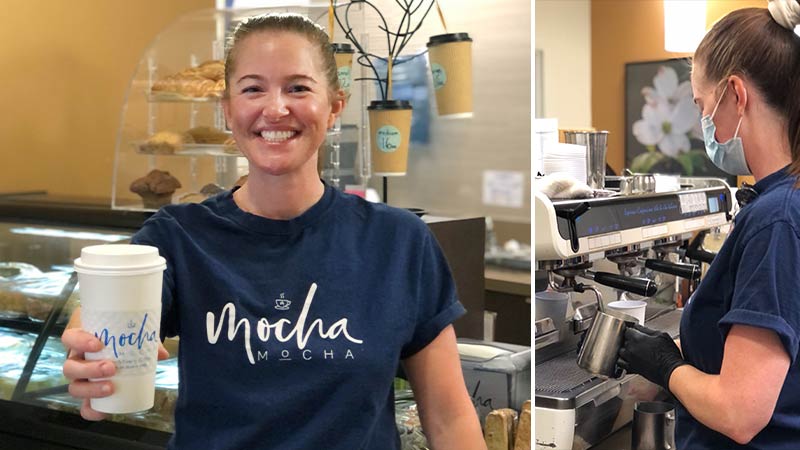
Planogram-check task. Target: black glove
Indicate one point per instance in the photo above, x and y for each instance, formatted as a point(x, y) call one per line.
point(652, 354)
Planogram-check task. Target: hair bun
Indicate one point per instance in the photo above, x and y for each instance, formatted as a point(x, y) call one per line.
point(785, 12)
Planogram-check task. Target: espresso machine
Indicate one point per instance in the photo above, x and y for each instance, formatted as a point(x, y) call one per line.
point(645, 245)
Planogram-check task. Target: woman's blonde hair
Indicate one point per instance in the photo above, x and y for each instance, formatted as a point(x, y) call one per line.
point(293, 23)
point(749, 42)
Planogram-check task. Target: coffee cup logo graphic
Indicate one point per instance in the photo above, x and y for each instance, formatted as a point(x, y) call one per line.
point(439, 76)
point(282, 303)
point(344, 77)
point(388, 138)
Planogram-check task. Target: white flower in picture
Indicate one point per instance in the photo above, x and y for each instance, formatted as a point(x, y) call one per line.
point(668, 116)
point(666, 87)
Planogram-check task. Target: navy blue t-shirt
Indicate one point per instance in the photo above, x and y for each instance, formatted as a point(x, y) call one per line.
point(754, 280)
point(291, 331)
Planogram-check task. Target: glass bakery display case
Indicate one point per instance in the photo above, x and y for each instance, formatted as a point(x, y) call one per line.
point(40, 236)
point(173, 145)
point(38, 293)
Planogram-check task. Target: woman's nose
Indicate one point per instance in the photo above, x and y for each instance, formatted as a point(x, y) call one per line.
point(275, 107)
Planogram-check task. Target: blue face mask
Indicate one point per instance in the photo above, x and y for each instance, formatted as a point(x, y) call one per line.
point(729, 155)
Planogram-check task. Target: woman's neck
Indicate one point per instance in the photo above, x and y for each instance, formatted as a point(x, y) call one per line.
point(278, 197)
point(767, 145)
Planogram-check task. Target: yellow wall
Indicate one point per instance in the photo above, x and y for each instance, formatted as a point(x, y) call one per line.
point(626, 31)
point(66, 67)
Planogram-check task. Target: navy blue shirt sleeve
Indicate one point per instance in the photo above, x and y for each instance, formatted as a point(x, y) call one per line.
point(436, 300)
point(150, 234)
point(768, 285)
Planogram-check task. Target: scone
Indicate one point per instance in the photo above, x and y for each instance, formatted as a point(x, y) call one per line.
point(156, 188)
point(164, 143)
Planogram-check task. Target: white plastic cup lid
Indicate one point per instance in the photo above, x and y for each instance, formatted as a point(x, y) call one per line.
point(119, 257)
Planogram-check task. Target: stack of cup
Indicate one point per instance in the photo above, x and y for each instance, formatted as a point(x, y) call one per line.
point(451, 68)
point(121, 305)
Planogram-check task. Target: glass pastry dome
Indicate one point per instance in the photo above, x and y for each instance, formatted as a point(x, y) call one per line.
point(173, 145)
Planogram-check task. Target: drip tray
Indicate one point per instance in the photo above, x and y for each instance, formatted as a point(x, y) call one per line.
point(559, 382)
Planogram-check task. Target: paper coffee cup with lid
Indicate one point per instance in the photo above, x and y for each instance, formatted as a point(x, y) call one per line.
point(121, 305)
point(450, 57)
point(343, 54)
point(390, 131)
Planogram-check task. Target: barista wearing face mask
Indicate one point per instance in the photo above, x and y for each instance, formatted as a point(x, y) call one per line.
point(736, 376)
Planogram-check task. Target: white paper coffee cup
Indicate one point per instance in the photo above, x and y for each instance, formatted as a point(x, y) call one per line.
point(121, 305)
point(633, 308)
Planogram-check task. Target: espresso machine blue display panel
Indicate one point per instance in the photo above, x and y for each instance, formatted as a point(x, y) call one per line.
point(629, 212)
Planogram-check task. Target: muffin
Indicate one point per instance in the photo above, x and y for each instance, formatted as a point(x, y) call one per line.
point(156, 188)
point(211, 189)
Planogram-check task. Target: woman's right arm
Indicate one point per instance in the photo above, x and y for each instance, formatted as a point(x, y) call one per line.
point(738, 402)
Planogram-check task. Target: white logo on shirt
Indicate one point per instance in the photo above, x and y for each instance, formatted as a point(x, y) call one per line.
point(300, 332)
point(282, 304)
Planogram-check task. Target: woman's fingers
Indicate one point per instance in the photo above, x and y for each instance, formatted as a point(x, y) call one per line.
point(77, 368)
point(162, 352)
point(78, 341)
point(89, 414)
point(90, 389)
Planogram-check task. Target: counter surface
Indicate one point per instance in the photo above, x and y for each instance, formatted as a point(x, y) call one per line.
point(517, 282)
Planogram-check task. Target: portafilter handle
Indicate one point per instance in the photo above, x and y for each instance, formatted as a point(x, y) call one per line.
point(683, 270)
point(693, 251)
point(639, 286)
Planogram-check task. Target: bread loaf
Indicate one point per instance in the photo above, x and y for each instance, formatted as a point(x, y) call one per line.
point(522, 441)
point(499, 429)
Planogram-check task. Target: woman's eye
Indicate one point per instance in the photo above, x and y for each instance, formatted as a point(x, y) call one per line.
point(249, 89)
point(299, 88)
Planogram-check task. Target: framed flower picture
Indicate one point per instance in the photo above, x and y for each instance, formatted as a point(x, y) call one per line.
point(662, 123)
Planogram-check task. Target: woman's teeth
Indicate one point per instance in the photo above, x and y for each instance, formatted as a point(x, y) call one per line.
point(277, 136)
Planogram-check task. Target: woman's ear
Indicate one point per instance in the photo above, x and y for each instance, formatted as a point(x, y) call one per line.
point(337, 106)
point(740, 89)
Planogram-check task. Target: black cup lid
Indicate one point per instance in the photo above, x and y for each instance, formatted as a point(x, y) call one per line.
point(450, 37)
point(389, 104)
point(340, 47)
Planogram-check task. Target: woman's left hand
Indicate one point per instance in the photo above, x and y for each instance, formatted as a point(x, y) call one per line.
point(652, 354)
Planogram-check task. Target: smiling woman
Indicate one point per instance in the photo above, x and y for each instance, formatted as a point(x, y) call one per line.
point(282, 95)
point(238, 263)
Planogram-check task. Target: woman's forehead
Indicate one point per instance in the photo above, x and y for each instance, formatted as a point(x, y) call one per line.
point(288, 46)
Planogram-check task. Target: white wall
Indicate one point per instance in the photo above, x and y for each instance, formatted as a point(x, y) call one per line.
point(446, 176)
point(563, 32)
